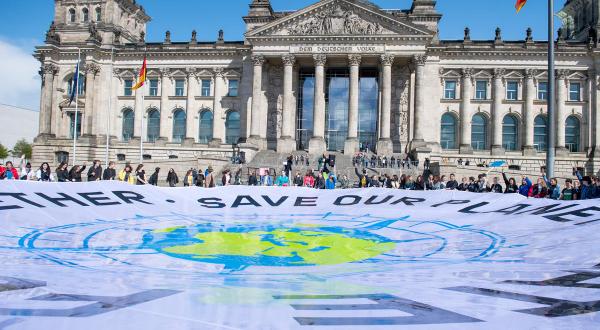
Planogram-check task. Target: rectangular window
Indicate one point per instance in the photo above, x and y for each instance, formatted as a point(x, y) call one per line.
point(481, 90)
point(153, 85)
point(205, 87)
point(128, 85)
point(575, 91)
point(233, 88)
point(450, 90)
point(542, 91)
point(179, 87)
point(512, 90)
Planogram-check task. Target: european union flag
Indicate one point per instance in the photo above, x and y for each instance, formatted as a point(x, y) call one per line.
point(75, 85)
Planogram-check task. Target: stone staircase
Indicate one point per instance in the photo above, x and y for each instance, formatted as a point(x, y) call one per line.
point(275, 162)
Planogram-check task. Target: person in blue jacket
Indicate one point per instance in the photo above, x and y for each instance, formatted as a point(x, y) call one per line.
point(553, 187)
point(525, 186)
point(330, 182)
point(586, 188)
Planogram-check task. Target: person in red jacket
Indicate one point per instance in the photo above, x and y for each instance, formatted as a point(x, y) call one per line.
point(8, 172)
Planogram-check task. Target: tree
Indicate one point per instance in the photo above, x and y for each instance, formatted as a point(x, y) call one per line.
point(3, 152)
point(21, 148)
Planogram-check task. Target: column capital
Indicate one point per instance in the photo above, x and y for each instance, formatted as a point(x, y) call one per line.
point(219, 72)
point(288, 60)
point(165, 72)
point(49, 68)
point(562, 74)
point(354, 59)
point(467, 73)
point(419, 60)
point(499, 73)
point(387, 59)
point(190, 72)
point(91, 68)
point(320, 59)
point(530, 73)
point(258, 60)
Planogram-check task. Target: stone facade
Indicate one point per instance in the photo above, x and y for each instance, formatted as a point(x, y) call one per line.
point(435, 98)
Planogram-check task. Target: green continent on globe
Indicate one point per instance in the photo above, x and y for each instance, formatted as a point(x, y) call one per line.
point(312, 247)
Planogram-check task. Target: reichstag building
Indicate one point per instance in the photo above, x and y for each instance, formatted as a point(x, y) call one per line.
point(337, 76)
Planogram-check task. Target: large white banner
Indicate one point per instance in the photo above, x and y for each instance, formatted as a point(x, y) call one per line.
point(114, 256)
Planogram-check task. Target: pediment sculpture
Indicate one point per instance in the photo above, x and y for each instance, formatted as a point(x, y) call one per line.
point(336, 21)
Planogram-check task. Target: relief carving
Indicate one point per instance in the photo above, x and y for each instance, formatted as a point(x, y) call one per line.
point(336, 21)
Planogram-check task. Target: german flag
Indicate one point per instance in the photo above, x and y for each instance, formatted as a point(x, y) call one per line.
point(520, 4)
point(142, 79)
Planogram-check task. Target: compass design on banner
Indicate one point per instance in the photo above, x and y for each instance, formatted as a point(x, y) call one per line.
point(273, 244)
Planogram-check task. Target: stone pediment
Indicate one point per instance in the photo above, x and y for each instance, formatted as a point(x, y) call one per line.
point(340, 18)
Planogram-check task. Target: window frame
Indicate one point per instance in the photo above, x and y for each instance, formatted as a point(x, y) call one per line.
point(85, 15)
point(179, 90)
point(450, 90)
point(205, 138)
point(152, 138)
point(576, 136)
point(152, 90)
point(233, 88)
point(205, 91)
point(542, 92)
point(127, 137)
point(446, 146)
point(72, 18)
point(485, 90)
point(98, 12)
point(540, 147)
point(510, 91)
point(578, 91)
point(515, 134)
point(128, 87)
point(485, 125)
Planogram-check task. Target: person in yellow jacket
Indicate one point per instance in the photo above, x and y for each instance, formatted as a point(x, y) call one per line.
point(126, 175)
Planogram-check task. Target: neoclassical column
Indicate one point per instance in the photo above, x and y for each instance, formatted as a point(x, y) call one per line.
point(384, 144)
point(165, 125)
point(528, 112)
point(465, 111)
point(260, 143)
point(561, 109)
point(91, 70)
point(317, 142)
point(190, 111)
point(287, 142)
point(420, 111)
point(218, 115)
point(497, 147)
point(351, 144)
point(45, 120)
point(595, 108)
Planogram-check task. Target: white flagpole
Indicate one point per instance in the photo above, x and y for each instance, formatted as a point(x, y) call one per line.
point(110, 91)
point(143, 91)
point(76, 106)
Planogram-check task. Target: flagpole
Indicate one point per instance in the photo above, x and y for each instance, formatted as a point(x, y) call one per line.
point(550, 153)
point(110, 91)
point(143, 90)
point(76, 80)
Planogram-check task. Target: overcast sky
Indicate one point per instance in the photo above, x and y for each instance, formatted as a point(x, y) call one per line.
point(22, 26)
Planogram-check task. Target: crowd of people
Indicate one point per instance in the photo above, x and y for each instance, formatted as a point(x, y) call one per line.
point(377, 161)
point(579, 188)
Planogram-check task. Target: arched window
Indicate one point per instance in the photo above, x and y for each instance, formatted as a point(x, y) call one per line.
point(448, 137)
point(98, 14)
point(572, 137)
point(206, 126)
point(540, 133)
point(85, 15)
point(153, 125)
point(80, 82)
point(232, 127)
point(479, 132)
point(128, 124)
point(510, 133)
point(72, 17)
point(179, 125)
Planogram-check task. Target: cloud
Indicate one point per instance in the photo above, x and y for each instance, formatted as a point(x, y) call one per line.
point(20, 82)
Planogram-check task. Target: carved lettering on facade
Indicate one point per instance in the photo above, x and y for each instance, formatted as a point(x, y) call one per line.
point(338, 49)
